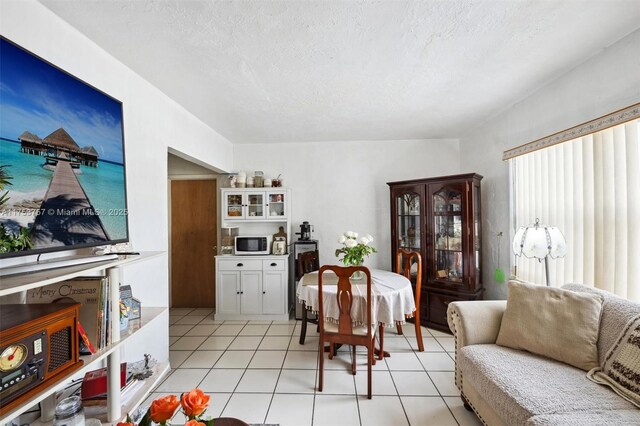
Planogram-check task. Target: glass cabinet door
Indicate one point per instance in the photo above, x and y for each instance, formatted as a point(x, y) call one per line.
point(447, 235)
point(276, 205)
point(409, 227)
point(233, 206)
point(255, 205)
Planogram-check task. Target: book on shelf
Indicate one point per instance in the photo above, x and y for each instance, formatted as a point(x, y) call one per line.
point(86, 348)
point(89, 292)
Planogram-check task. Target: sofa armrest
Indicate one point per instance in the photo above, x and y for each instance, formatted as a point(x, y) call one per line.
point(473, 323)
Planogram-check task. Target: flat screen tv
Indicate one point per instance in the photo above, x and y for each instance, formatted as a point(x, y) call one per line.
point(62, 168)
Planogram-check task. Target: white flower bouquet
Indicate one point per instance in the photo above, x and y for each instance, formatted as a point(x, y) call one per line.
point(354, 250)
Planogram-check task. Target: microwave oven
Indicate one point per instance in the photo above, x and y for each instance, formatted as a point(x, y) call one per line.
point(252, 245)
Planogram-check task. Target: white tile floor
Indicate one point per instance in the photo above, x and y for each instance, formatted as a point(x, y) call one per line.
point(257, 371)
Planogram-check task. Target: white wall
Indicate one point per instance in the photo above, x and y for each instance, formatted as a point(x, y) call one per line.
point(153, 124)
point(604, 83)
point(340, 186)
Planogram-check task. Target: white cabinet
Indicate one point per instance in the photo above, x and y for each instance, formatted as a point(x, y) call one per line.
point(251, 287)
point(255, 204)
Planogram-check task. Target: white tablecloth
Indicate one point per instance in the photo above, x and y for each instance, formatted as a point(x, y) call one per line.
point(391, 296)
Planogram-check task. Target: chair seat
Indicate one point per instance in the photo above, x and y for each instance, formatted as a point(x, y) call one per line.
point(331, 327)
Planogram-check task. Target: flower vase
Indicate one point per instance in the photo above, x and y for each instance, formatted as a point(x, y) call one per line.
point(358, 275)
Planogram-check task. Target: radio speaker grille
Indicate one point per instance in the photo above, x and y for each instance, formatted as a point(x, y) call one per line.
point(60, 348)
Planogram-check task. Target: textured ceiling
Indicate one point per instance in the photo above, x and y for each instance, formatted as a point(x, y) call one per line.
point(295, 71)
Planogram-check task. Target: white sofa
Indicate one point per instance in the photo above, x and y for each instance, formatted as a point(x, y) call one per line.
point(505, 386)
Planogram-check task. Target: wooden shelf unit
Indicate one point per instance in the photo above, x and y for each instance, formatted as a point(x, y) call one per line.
point(21, 282)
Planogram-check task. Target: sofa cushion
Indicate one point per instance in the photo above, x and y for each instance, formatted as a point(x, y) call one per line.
point(519, 385)
point(621, 369)
point(616, 313)
point(560, 324)
point(587, 418)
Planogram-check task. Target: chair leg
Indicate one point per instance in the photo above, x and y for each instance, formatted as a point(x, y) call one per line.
point(381, 335)
point(332, 347)
point(303, 328)
point(369, 367)
point(399, 328)
point(353, 359)
point(419, 334)
point(321, 361)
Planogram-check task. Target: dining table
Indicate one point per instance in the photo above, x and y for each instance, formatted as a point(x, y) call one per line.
point(391, 297)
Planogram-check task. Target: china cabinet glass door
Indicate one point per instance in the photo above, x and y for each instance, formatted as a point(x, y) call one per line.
point(255, 205)
point(276, 204)
point(447, 235)
point(233, 206)
point(408, 216)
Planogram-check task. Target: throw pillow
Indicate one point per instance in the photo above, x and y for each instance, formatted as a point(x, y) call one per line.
point(621, 369)
point(559, 324)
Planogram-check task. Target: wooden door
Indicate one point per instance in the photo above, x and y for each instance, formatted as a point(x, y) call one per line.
point(193, 241)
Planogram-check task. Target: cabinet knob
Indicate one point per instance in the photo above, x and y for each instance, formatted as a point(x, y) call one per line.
point(274, 264)
point(242, 292)
point(237, 292)
point(240, 264)
point(264, 292)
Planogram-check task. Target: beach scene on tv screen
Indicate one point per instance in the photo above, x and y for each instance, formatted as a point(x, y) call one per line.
point(62, 178)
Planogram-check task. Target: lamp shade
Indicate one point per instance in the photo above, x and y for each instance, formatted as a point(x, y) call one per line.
point(539, 241)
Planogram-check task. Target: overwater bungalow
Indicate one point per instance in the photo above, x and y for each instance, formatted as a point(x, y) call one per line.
point(88, 156)
point(60, 146)
point(31, 144)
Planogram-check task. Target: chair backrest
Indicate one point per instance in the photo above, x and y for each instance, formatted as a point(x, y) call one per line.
point(344, 295)
point(307, 262)
point(404, 261)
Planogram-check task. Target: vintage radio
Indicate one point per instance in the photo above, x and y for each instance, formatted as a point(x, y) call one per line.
point(38, 347)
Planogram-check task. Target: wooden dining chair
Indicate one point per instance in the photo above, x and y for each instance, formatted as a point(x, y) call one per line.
point(344, 332)
point(404, 260)
point(307, 262)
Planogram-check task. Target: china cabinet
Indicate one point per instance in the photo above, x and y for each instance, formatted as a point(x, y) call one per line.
point(441, 219)
point(254, 286)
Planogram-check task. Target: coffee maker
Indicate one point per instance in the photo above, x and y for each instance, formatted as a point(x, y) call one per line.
point(305, 231)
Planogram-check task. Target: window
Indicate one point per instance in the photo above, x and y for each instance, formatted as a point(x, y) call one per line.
point(589, 187)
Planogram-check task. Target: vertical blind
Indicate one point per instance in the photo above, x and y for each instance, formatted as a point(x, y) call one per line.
point(588, 187)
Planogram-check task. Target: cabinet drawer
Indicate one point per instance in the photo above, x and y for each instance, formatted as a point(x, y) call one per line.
point(273, 265)
point(240, 265)
point(437, 307)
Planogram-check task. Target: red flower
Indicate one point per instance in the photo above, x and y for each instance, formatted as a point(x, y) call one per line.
point(194, 423)
point(194, 403)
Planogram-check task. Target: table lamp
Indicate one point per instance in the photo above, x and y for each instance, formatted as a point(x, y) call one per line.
point(540, 242)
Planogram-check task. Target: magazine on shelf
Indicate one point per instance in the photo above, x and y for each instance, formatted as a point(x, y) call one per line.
point(86, 291)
